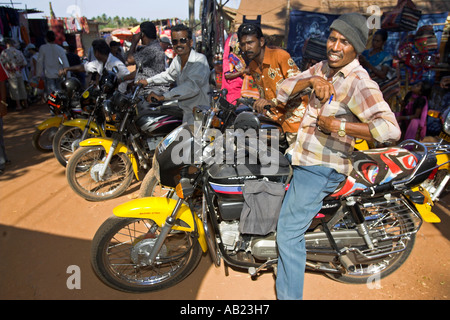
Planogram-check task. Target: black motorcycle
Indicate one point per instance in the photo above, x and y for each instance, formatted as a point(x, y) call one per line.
point(365, 230)
point(64, 105)
point(96, 124)
point(103, 168)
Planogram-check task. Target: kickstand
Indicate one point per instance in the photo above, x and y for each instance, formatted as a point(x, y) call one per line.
point(227, 273)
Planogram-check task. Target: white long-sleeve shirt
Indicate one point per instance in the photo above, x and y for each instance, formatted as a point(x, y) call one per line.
point(97, 66)
point(49, 60)
point(192, 83)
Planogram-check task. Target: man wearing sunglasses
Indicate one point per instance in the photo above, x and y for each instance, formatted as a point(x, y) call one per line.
point(189, 70)
point(269, 67)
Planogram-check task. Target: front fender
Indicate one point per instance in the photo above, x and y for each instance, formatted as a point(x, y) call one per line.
point(51, 122)
point(158, 209)
point(106, 144)
point(94, 129)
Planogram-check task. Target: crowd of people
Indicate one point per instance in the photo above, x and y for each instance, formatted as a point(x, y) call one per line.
point(32, 73)
point(322, 109)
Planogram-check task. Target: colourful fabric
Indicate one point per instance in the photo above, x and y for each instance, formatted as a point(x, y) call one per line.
point(13, 61)
point(416, 126)
point(358, 99)
point(378, 59)
point(249, 88)
point(232, 63)
point(389, 86)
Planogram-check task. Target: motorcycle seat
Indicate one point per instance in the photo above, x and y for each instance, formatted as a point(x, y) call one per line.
point(377, 167)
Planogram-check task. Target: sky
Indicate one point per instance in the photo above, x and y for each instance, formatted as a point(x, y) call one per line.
point(149, 9)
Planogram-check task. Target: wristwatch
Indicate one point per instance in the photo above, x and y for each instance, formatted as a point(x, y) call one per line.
point(341, 131)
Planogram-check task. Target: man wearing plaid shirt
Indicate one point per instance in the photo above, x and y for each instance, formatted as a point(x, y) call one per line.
point(344, 104)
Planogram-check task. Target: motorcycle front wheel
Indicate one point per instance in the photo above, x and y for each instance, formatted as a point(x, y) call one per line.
point(43, 139)
point(83, 174)
point(120, 248)
point(65, 143)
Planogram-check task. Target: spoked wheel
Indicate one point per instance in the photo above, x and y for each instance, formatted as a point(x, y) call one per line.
point(120, 252)
point(65, 143)
point(43, 139)
point(84, 169)
point(393, 228)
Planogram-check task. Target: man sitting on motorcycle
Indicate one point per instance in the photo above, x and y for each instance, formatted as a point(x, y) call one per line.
point(105, 60)
point(345, 104)
point(189, 70)
point(268, 67)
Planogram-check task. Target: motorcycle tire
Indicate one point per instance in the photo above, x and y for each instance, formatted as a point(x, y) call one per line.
point(43, 139)
point(82, 170)
point(118, 254)
point(150, 187)
point(371, 270)
point(64, 143)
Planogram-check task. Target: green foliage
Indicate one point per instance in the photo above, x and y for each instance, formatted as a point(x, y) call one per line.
point(116, 22)
point(121, 22)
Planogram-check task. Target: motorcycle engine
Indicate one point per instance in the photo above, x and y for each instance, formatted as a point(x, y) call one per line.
point(260, 247)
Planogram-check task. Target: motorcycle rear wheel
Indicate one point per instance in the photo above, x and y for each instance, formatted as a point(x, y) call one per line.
point(43, 139)
point(118, 255)
point(64, 143)
point(371, 270)
point(86, 162)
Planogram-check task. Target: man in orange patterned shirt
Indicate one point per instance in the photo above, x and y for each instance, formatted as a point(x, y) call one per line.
point(269, 67)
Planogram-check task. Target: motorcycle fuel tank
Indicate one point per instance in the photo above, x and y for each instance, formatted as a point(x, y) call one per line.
point(227, 181)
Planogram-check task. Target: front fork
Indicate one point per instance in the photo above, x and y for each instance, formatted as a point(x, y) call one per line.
point(108, 159)
point(167, 226)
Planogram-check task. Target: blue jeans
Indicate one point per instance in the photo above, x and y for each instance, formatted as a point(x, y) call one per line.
point(308, 187)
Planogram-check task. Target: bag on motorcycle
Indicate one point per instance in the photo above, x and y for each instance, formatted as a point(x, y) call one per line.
point(262, 204)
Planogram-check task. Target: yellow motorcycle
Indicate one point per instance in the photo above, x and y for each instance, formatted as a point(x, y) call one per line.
point(437, 181)
point(71, 132)
point(103, 168)
point(365, 229)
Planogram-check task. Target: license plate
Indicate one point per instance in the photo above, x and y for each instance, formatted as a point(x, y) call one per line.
point(444, 136)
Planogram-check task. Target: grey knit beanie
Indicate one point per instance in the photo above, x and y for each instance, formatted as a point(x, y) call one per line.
point(353, 26)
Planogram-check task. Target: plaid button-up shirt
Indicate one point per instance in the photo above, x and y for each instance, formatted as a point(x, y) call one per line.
point(358, 99)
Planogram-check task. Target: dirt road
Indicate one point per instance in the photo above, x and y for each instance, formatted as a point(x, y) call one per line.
point(45, 228)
